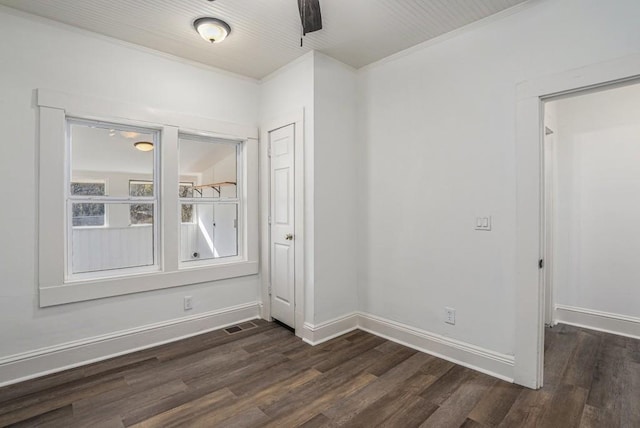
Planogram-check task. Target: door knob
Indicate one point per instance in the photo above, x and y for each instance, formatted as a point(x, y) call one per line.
point(288, 237)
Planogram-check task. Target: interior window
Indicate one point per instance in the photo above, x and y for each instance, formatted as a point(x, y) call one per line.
point(125, 158)
point(127, 208)
point(211, 202)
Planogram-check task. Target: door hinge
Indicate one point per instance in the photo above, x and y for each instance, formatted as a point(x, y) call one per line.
point(540, 263)
point(269, 219)
point(269, 150)
point(269, 290)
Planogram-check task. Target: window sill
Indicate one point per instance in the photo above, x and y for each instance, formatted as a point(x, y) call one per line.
point(117, 286)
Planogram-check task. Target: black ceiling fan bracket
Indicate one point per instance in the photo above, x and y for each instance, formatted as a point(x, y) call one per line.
point(310, 16)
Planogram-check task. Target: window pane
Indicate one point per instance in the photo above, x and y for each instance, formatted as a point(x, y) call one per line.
point(109, 154)
point(140, 188)
point(141, 213)
point(115, 246)
point(211, 164)
point(186, 190)
point(213, 233)
point(87, 189)
point(88, 214)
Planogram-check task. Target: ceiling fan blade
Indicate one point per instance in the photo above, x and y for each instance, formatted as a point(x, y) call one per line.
point(310, 15)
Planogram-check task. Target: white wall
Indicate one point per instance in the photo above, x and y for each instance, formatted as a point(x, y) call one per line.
point(434, 149)
point(597, 233)
point(284, 93)
point(336, 190)
point(326, 90)
point(438, 129)
point(550, 186)
point(73, 61)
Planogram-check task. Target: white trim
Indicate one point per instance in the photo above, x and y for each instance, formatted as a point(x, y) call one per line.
point(71, 276)
point(607, 322)
point(317, 334)
point(462, 353)
point(465, 354)
point(297, 119)
point(54, 108)
point(86, 107)
point(116, 286)
point(529, 334)
point(40, 362)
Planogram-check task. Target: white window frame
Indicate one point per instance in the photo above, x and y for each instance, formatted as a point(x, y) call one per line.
point(54, 109)
point(106, 199)
point(237, 201)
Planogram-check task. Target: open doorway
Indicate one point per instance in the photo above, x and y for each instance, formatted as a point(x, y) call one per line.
point(591, 211)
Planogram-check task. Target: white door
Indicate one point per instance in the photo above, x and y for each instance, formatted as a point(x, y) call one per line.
point(281, 143)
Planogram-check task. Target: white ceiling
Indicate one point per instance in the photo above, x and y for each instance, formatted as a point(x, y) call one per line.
point(265, 34)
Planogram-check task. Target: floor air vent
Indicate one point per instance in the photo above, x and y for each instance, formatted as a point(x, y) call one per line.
point(240, 327)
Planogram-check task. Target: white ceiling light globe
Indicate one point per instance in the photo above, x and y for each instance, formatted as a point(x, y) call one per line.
point(213, 30)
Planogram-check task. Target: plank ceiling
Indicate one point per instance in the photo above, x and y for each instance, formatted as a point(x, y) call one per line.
point(265, 34)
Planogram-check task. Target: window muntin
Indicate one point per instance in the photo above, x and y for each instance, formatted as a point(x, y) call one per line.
point(214, 199)
point(143, 213)
point(107, 150)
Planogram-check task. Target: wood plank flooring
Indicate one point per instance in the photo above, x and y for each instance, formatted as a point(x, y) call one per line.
point(263, 376)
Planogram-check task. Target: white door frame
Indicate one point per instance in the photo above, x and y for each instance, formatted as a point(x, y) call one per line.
point(297, 119)
point(529, 334)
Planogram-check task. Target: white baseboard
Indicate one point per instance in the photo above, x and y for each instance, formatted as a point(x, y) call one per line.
point(316, 334)
point(40, 362)
point(43, 361)
point(607, 322)
point(462, 353)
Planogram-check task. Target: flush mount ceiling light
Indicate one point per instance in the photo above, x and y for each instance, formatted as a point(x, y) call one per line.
point(143, 146)
point(213, 30)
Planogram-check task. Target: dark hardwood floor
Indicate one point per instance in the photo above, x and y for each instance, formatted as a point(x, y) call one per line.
point(263, 376)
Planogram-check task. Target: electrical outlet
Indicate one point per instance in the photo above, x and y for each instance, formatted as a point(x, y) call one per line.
point(483, 223)
point(450, 315)
point(188, 303)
